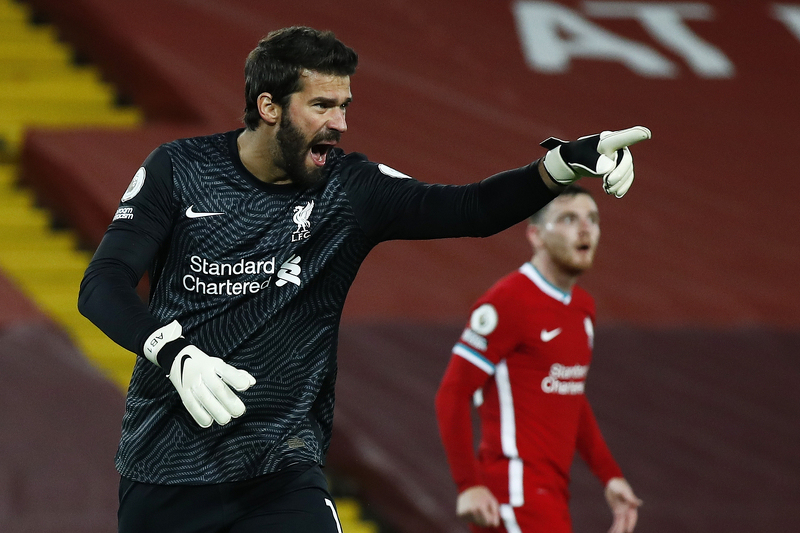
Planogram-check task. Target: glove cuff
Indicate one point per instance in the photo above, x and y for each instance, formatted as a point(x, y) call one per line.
point(158, 341)
point(170, 352)
point(559, 171)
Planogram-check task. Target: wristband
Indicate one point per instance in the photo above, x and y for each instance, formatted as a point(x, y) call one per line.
point(163, 345)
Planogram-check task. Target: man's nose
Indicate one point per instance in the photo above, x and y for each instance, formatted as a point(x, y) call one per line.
point(338, 121)
point(585, 224)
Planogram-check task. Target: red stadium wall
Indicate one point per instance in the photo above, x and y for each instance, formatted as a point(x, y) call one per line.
point(701, 232)
point(59, 428)
point(696, 279)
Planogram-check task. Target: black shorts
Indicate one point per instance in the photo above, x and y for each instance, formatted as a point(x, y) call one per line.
point(295, 500)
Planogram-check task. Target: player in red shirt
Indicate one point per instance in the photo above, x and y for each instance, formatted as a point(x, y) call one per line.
point(523, 360)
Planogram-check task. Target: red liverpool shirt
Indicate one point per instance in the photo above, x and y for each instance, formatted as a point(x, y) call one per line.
point(523, 359)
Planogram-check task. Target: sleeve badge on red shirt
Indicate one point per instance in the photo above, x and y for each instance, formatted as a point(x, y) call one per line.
point(483, 319)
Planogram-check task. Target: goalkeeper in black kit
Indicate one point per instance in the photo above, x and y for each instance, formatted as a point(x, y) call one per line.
point(251, 239)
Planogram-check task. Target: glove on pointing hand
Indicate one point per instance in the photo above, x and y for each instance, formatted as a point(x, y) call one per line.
point(603, 155)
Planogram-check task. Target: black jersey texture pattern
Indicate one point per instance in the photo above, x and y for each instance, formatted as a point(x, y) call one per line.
point(257, 275)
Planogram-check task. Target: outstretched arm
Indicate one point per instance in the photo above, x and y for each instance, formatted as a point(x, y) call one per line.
point(391, 207)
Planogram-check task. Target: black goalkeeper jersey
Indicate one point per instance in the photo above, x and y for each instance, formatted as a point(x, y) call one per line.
point(257, 274)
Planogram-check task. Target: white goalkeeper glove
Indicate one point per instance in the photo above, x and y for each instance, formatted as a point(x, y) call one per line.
point(203, 382)
point(603, 155)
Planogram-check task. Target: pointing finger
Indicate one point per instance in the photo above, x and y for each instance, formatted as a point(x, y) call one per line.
point(611, 141)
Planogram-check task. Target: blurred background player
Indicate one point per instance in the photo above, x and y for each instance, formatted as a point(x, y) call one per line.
point(523, 361)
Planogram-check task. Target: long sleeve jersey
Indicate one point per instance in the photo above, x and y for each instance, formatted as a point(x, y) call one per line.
point(257, 274)
point(523, 359)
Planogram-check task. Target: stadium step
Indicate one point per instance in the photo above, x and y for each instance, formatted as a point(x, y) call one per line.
point(36, 68)
point(47, 266)
point(44, 262)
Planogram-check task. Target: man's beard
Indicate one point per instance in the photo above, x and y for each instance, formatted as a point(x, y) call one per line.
point(293, 150)
point(573, 268)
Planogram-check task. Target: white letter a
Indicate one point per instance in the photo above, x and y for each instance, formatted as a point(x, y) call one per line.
point(552, 34)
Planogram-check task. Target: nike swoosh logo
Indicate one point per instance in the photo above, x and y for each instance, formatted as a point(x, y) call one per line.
point(191, 213)
point(547, 336)
point(184, 358)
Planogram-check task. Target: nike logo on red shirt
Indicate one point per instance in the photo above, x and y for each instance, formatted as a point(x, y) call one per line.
point(547, 336)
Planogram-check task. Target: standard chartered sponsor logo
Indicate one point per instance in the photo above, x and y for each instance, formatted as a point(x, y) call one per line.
point(289, 272)
point(555, 382)
point(205, 276)
point(204, 273)
point(203, 266)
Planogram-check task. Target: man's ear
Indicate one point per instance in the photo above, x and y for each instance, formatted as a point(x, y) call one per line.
point(532, 233)
point(269, 111)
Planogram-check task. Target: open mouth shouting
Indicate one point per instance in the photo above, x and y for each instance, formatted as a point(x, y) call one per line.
point(319, 152)
point(321, 146)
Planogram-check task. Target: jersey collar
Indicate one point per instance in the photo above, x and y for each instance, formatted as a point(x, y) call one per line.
point(545, 286)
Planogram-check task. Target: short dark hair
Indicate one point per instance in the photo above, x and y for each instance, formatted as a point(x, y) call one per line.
point(572, 190)
point(275, 66)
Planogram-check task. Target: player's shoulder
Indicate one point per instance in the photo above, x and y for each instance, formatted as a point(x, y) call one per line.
point(200, 144)
point(346, 166)
point(514, 280)
point(509, 287)
point(582, 298)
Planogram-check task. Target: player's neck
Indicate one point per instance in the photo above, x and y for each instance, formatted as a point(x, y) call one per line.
point(555, 275)
point(256, 156)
